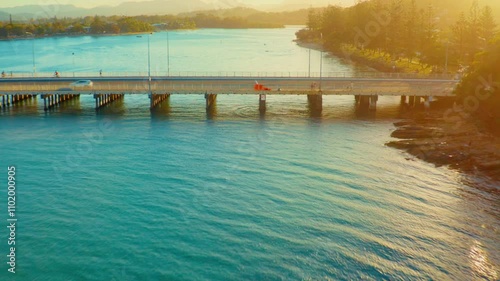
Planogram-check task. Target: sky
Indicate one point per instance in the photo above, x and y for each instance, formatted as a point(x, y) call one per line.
point(94, 3)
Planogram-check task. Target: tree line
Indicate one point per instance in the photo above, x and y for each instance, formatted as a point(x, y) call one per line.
point(479, 89)
point(403, 28)
point(121, 24)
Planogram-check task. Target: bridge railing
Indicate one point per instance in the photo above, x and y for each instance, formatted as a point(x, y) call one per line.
point(236, 86)
point(284, 74)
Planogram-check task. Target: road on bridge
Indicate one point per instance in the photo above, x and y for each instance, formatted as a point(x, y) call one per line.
point(234, 85)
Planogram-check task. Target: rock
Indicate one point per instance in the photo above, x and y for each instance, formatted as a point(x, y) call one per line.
point(403, 123)
point(489, 165)
point(458, 146)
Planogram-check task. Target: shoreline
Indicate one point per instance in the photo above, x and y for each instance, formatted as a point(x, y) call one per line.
point(462, 145)
point(72, 35)
point(428, 136)
point(310, 45)
point(115, 34)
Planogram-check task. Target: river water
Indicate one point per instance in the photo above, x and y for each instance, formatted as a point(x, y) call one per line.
point(124, 194)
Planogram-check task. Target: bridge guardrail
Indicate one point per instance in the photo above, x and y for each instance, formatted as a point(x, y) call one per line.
point(283, 74)
point(236, 87)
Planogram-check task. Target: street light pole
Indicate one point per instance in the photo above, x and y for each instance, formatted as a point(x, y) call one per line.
point(73, 55)
point(321, 65)
point(320, 69)
point(149, 64)
point(33, 51)
point(446, 59)
point(309, 62)
point(168, 55)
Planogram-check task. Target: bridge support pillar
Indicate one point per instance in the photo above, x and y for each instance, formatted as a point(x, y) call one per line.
point(4, 103)
point(427, 102)
point(49, 101)
point(411, 101)
point(17, 99)
point(262, 102)
point(373, 102)
point(403, 99)
point(315, 103)
point(364, 101)
point(156, 99)
point(210, 100)
point(105, 99)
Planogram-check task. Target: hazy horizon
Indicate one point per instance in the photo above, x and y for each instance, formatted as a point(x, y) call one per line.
point(97, 3)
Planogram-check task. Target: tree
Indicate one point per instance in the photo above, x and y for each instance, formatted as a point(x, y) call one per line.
point(479, 90)
point(411, 29)
point(97, 26)
point(58, 27)
point(77, 28)
point(459, 36)
point(313, 20)
point(333, 27)
point(428, 38)
point(395, 28)
point(472, 38)
point(487, 24)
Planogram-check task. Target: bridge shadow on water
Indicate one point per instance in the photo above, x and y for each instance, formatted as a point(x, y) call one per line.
point(281, 109)
point(116, 108)
point(212, 113)
point(162, 111)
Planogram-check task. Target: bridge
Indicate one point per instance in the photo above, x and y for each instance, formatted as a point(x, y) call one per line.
point(365, 88)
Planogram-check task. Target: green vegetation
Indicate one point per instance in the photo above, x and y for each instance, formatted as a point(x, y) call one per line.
point(402, 35)
point(68, 26)
point(122, 24)
point(479, 89)
point(253, 16)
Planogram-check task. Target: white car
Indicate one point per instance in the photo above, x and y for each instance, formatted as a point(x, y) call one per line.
point(82, 84)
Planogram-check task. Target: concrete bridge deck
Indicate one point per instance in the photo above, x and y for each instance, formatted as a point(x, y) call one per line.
point(234, 85)
point(107, 89)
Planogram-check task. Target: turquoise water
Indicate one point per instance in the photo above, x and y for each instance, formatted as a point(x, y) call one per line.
point(178, 195)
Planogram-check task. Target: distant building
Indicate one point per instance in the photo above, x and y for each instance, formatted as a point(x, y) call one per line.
point(160, 26)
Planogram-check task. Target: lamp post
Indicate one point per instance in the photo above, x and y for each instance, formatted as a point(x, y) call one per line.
point(309, 63)
point(320, 69)
point(73, 56)
point(446, 58)
point(168, 55)
point(321, 64)
point(33, 51)
point(149, 64)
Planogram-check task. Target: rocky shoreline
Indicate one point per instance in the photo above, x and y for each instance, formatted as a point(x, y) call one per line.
point(430, 137)
point(463, 146)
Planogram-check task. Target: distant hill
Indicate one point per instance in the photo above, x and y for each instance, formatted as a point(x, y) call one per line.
point(153, 7)
point(188, 8)
point(26, 12)
point(4, 16)
point(298, 17)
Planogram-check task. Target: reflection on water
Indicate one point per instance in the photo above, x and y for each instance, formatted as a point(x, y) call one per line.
point(481, 265)
point(233, 193)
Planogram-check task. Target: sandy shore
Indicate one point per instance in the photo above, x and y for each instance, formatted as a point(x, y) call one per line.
point(460, 145)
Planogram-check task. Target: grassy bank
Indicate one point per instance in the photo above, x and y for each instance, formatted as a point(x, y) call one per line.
point(380, 60)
